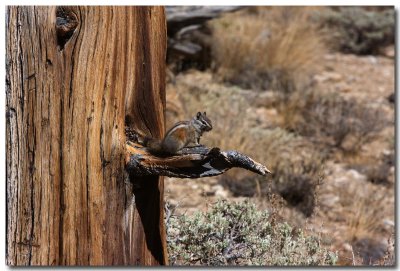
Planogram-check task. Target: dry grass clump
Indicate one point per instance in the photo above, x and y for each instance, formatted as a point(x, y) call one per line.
point(366, 212)
point(365, 219)
point(273, 47)
point(346, 124)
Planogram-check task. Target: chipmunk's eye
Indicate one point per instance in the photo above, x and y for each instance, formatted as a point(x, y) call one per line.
point(198, 115)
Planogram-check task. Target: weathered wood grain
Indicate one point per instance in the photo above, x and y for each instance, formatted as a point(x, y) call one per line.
point(145, 106)
point(192, 162)
point(69, 70)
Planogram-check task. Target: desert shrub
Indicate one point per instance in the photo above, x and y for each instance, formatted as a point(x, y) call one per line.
point(358, 30)
point(295, 165)
point(370, 251)
point(379, 173)
point(365, 218)
point(342, 123)
point(274, 47)
point(239, 234)
point(298, 184)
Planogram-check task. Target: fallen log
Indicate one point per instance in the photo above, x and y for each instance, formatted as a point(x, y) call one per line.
point(179, 17)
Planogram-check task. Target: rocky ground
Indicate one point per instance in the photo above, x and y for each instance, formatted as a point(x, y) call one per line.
point(355, 214)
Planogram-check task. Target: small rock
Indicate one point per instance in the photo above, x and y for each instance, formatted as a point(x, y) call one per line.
point(330, 200)
point(206, 187)
point(217, 187)
point(219, 191)
point(222, 194)
point(172, 202)
point(388, 222)
point(347, 247)
point(373, 59)
point(389, 52)
point(349, 142)
point(266, 99)
point(351, 79)
point(355, 175)
point(391, 177)
point(329, 57)
point(343, 87)
point(328, 76)
point(265, 115)
point(387, 152)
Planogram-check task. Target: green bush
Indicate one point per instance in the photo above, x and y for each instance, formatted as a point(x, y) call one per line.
point(239, 234)
point(358, 30)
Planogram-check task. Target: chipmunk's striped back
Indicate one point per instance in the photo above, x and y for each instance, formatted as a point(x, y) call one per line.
point(182, 134)
point(179, 129)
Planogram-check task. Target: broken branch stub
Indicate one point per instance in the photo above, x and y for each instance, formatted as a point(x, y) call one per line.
point(192, 162)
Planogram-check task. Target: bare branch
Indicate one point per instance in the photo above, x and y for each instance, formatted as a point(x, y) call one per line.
point(194, 162)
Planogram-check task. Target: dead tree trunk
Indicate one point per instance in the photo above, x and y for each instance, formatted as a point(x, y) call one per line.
point(69, 71)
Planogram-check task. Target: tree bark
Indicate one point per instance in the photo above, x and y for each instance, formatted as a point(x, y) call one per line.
point(71, 72)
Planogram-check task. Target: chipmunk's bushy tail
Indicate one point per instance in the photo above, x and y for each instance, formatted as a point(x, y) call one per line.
point(154, 145)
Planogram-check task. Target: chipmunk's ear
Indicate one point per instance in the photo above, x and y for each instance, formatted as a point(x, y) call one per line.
point(198, 115)
point(204, 113)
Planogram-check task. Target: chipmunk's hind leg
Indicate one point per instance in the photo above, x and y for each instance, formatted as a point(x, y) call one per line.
point(172, 146)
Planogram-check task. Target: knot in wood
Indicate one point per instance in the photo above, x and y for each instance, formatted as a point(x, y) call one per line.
point(66, 23)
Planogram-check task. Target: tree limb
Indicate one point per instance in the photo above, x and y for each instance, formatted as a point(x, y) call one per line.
point(193, 162)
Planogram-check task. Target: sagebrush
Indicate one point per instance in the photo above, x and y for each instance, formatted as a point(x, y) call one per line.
point(239, 234)
point(342, 123)
point(358, 30)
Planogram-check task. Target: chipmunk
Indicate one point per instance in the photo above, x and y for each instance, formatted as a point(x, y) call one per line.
point(182, 134)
